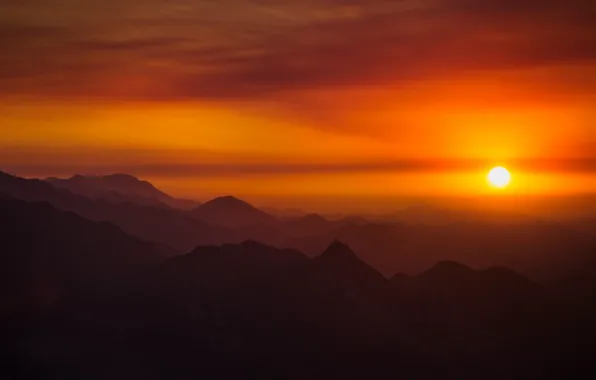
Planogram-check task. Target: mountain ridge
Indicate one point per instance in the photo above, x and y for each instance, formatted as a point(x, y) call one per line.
point(229, 211)
point(121, 188)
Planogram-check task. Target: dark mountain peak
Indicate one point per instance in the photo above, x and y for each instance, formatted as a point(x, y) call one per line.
point(345, 274)
point(338, 251)
point(232, 212)
point(253, 244)
point(228, 201)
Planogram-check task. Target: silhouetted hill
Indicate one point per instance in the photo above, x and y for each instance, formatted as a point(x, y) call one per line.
point(543, 251)
point(308, 225)
point(339, 260)
point(540, 250)
point(229, 211)
point(450, 319)
point(254, 311)
point(161, 225)
point(47, 253)
point(447, 270)
point(121, 188)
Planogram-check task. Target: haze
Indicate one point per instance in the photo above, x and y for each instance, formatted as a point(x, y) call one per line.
point(286, 102)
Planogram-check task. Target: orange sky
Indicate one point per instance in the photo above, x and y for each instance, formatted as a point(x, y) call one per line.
point(299, 99)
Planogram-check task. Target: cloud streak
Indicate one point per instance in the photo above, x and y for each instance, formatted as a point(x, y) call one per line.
point(253, 49)
point(565, 166)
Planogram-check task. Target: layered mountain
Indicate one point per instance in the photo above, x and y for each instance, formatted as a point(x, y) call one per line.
point(229, 211)
point(120, 188)
point(48, 254)
point(109, 301)
point(544, 251)
point(158, 224)
point(540, 250)
point(309, 225)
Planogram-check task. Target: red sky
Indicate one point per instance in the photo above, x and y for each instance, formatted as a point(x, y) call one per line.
point(302, 98)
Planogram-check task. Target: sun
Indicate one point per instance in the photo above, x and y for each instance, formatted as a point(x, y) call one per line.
point(499, 177)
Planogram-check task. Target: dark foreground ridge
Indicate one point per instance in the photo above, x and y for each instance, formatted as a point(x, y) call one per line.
point(82, 299)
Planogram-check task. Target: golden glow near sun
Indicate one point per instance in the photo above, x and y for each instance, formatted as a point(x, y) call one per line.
point(499, 177)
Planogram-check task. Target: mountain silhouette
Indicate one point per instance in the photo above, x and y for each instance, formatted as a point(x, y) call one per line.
point(229, 211)
point(309, 225)
point(158, 224)
point(48, 254)
point(540, 250)
point(544, 251)
point(115, 306)
point(120, 188)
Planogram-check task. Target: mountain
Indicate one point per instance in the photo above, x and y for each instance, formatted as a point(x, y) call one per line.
point(231, 269)
point(308, 225)
point(229, 211)
point(47, 254)
point(157, 224)
point(339, 260)
point(540, 250)
point(543, 251)
point(261, 303)
point(242, 266)
point(120, 188)
point(254, 311)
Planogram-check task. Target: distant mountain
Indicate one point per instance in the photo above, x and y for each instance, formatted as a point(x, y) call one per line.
point(120, 188)
point(539, 250)
point(157, 224)
point(308, 225)
point(229, 211)
point(543, 251)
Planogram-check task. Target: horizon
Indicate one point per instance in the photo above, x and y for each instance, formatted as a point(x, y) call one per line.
point(541, 206)
point(298, 99)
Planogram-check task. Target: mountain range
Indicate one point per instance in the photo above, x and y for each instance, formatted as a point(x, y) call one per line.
point(85, 299)
point(229, 211)
point(120, 188)
point(541, 250)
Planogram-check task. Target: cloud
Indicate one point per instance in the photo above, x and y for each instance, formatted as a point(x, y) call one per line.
point(539, 165)
point(245, 49)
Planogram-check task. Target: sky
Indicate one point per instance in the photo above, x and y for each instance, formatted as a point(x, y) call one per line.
point(302, 99)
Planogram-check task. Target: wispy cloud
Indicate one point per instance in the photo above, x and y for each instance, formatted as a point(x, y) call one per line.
point(197, 171)
point(202, 49)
